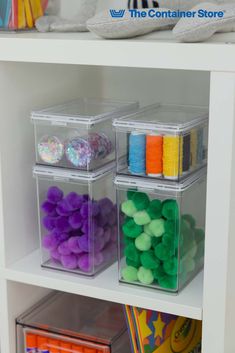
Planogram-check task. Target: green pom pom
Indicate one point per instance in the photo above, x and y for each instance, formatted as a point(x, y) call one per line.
point(200, 250)
point(157, 227)
point(155, 209)
point(156, 241)
point(128, 208)
point(142, 218)
point(143, 242)
point(145, 276)
point(141, 200)
point(172, 227)
point(171, 266)
point(170, 210)
point(168, 282)
point(192, 250)
point(128, 240)
point(131, 229)
point(189, 218)
point(130, 194)
point(149, 261)
point(132, 263)
point(147, 230)
point(159, 272)
point(132, 253)
point(187, 265)
point(199, 235)
point(170, 241)
point(129, 274)
point(163, 253)
point(185, 228)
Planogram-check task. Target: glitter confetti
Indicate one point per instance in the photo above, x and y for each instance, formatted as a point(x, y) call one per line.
point(50, 149)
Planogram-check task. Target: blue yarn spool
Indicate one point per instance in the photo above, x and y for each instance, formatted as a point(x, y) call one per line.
point(137, 153)
point(200, 148)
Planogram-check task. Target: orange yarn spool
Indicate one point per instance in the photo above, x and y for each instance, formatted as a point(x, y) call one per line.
point(154, 152)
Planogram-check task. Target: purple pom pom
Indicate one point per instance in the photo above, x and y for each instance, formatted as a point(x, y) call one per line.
point(102, 219)
point(112, 219)
point(69, 261)
point(55, 255)
point(48, 207)
point(74, 200)
point(95, 209)
point(49, 222)
point(85, 197)
point(63, 248)
point(99, 259)
point(63, 208)
point(85, 263)
point(85, 210)
point(107, 235)
point(86, 229)
point(106, 205)
point(50, 242)
point(99, 244)
point(63, 236)
point(99, 232)
point(114, 234)
point(76, 220)
point(83, 243)
point(54, 194)
point(75, 233)
point(73, 245)
point(62, 224)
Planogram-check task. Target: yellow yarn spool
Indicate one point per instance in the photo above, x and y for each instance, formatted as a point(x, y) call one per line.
point(193, 148)
point(172, 156)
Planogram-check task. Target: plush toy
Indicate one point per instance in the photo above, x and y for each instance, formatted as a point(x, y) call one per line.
point(82, 233)
point(159, 245)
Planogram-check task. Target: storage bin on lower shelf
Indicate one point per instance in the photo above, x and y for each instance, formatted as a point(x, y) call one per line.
point(66, 323)
point(154, 332)
point(77, 219)
point(161, 231)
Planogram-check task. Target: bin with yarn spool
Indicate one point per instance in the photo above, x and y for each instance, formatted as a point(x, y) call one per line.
point(77, 134)
point(161, 229)
point(162, 141)
point(77, 219)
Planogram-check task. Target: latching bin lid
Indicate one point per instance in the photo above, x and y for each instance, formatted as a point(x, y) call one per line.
point(163, 118)
point(163, 185)
point(77, 317)
point(85, 111)
point(56, 173)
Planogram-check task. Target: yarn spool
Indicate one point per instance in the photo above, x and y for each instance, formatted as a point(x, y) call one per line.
point(193, 148)
point(200, 147)
point(186, 153)
point(172, 157)
point(137, 153)
point(50, 149)
point(154, 152)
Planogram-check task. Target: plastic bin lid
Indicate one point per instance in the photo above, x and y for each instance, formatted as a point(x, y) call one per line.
point(71, 174)
point(165, 118)
point(78, 317)
point(160, 185)
point(86, 111)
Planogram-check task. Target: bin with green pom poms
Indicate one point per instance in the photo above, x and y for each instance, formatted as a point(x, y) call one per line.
point(161, 231)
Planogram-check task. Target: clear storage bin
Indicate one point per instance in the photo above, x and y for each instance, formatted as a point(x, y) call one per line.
point(162, 141)
point(78, 134)
point(77, 219)
point(161, 230)
point(66, 323)
point(21, 14)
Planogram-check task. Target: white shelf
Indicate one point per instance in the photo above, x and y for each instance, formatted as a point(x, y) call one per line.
point(156, 50)
point(105, 286)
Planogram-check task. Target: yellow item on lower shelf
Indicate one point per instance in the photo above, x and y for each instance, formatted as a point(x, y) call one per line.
point(21, 15)
point(36, 8)
point(28, 13)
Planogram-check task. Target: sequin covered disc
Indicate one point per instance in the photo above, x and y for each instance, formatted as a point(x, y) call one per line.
point(50, 149)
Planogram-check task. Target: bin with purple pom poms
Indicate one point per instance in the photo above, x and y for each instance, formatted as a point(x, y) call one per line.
point(77, 219)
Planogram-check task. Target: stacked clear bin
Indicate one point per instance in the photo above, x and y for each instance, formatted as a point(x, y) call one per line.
point(66, 323)
point(76, 201)
point(162, 141)
point(161, 153)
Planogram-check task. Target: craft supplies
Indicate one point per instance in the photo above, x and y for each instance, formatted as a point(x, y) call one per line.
point(161, 230)
point(155, 332)
point(162, 141)
point(67, 323)
point(31, 343)
point(78, 220)
point(78, 134)
point(21, 14)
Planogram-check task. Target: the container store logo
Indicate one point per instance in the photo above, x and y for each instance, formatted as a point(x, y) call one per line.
point(117, 13)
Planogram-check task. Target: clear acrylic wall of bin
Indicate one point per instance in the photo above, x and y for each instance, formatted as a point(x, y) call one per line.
point(77, 219)
point(21, 14)
point(161, 231)
point(67, 323)
point(162, 141)
point(78, 134)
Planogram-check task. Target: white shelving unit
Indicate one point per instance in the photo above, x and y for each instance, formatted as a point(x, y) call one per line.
point(36, 70)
